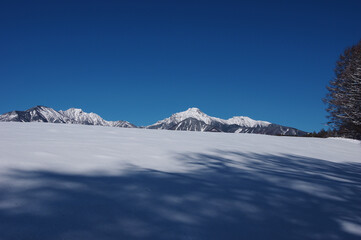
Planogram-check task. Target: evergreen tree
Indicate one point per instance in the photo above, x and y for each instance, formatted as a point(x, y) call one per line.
point(344, 97)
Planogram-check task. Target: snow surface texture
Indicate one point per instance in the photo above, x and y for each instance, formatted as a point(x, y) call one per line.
point(60, 181)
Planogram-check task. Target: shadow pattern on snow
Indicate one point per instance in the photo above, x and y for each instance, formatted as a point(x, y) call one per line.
point(257, 197)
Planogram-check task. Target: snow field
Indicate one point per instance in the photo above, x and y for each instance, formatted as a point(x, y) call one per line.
point(62, 181)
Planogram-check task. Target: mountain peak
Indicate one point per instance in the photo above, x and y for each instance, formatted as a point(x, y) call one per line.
point(37, 107)
point(194, 109)
point(191, 112)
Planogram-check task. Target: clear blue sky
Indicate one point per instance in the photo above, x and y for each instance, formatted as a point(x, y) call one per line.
point(141, 61)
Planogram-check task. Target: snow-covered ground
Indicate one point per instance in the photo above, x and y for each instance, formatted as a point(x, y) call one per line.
point(62, 181)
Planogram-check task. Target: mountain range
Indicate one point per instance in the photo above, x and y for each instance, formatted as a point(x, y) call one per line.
point(192, 119)
point(72, 116)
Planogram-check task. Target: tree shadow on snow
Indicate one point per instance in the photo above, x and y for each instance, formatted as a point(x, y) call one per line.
point(255, 197)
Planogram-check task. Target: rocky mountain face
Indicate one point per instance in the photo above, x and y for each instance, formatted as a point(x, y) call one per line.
point(72, 116)
point(195, 120)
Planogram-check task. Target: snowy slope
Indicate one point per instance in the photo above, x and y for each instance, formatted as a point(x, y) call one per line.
point(64, 181)
point(247, 122)
point(123, 124)
point(78, 116)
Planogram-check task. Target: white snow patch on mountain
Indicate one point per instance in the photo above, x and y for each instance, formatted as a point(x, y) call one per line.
point(77, 115)
point(246, 122)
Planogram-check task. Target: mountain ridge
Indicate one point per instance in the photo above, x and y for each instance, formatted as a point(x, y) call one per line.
point(71, 116)
point(193, 119)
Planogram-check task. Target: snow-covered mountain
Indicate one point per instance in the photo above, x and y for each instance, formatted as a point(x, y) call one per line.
point(197, 114)
point(72, 115)
point(35, 114)
point(124, 124)
point(78, 116)
point(194, 119)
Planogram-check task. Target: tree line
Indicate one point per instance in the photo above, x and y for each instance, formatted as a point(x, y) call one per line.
point(324, 133)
